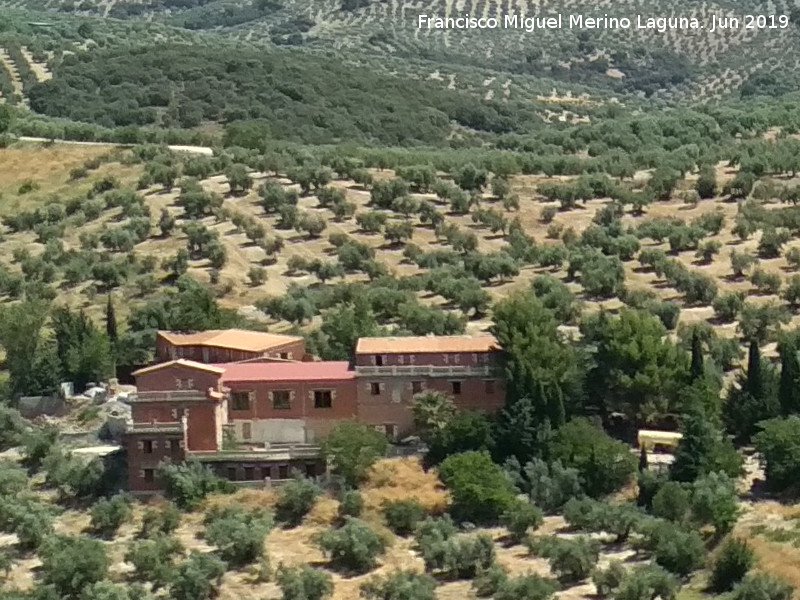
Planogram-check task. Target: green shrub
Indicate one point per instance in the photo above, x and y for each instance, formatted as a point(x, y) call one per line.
point(462, 556)
point(238, 534)
point(402, 516)
point(715, 501)
point(187, 484)
point(304, 583)
point(351, 504)
point(108, 515)
point(647, 582)
point(608, 580)
point(152, 559)
point(488, 581)
point(572, 560)
point(353, 547)
point(521, 517)
point(526, 587)
point(671, 502)
point(164, 520)
point(70, 564)
point(734, 560)
point(601, 517)
point(762, 587)
point(400, 585)
point(353, 448)
point(680, 552)
point(481, 492)
point(198, 577)
point(604, 464)
point(296, 498)
point(431, 533)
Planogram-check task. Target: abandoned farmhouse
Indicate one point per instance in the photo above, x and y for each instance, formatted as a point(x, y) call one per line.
point(254, 405)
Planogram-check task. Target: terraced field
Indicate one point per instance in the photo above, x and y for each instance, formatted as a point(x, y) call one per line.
point(676, 65)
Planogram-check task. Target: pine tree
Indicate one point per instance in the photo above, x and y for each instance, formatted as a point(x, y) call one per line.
point(703, 449)
point(789, 387)
point(754, 384)
point(111, 321)
point(698, 370)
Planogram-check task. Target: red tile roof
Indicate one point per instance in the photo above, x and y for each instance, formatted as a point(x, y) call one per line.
point(426, 344)
point(233, 339)
point(301, 371)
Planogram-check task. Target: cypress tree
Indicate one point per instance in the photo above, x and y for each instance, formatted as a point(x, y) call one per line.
point(754, 385)
point(643, 462)
point(789, 388)
point(698, 370)
point(111, 321)
point(555, 408)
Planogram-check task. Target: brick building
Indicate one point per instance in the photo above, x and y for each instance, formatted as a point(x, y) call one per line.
point(392, 370)
point(229, 345)
point(263, 416)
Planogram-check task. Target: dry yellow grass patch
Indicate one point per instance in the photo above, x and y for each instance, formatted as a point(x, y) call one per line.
point(43, 164)
point(777, 559)
point(401, 478)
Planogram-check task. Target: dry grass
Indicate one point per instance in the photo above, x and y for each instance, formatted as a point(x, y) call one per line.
point(392, 478)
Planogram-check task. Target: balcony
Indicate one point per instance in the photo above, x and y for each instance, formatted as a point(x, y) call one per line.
point(267, 452)
point(169, 396)
point(148, 428)
point(425, 371)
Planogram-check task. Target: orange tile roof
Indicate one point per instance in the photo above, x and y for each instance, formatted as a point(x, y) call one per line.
point(233, 339)
point(180, 362)
point(426, 344)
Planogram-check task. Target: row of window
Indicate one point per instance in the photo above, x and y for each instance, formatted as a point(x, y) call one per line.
point(149, 446)
point(380, 360)
point(281, 399)
point(190, 352)
point(417, 387)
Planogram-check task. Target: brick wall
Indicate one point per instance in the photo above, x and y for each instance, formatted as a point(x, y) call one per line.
point(254, 402)
point(145, 452)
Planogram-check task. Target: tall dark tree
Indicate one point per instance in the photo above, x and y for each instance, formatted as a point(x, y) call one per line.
point(539, 362)
point(697, 370)
point(789, 386)
point(703, 449)
point(111, 321)
point(520, 433)
point(754, 384)
point(643, 462)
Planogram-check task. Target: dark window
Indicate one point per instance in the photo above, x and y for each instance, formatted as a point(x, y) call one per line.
point(323, 399)
point(284, 355)
point(456, 387)
point(311, 470)
point(416, 387)
point(232, 473)
point(490, 386)
point(147, 446)
point(378, 360)
point(249, 474)
point(240, 400)
point(176, 446)
point(281, 399)
point(148, 475)
point(391, 431)
point(375, 389)
point(283, 472)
